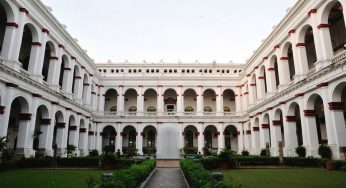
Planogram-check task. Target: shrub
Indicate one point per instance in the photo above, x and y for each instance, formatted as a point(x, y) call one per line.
point(94, 153)
point(325, 152)
point(340, 165)
point(245, 153)
point(263, 152)
point(303, 162)
point(189, 151)
point(225, 155)
point(78, 162)
point(210, 163)
point(207, 151)
point(7, 155)
point(130, 178)
point(301, 151)
point(197, 176)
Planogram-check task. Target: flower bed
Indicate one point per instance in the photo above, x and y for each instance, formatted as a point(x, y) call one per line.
point(131, 177)
point(197, 176)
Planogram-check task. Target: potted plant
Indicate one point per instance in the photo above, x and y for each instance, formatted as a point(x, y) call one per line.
point(326, 153)
point(245, 153)
point(70, 149)
point(107, 160)
point(224, 158)
point(301, 151)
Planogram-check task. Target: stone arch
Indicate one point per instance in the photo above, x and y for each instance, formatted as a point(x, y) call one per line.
point(170, 101)
point(229, 101)
point(316, 118)
point(231, 138)
point(129, 137)
point(211, 138)
point(42, 122)
point(190, 101)
point(278, 127)
point(287, 54)
point(338, 110)
point(49, 55)
point(266, 130)
point(62, 75)
point(293, 117)
point(209, 101)
point(307, 40)
point(130, 98)
point(253, 89)
point(6, 15)
point(263, 80)
point(150, 101)
point(111, 100)
point(109, 139)
point(149, 136)
point(190, 139)
point(19, 118)
point(30, 35)
point(75, 80)
point(86, 86)
point(273, 64)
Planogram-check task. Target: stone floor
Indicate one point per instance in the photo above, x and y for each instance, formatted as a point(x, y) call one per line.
point(167, 178)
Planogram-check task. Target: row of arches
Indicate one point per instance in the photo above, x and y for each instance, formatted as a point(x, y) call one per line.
point(170, 101)
point(40, 56)
point(308, 122)
point(129, 139)
point(32, 131)
point(296, 59)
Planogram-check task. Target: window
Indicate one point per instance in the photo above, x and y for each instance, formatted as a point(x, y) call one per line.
point(223, 71)
point(208, 109)
point(227, 71)
point(188, 70)
point(132, 138)
point(147, 70)
point(104, 70)
point(208, 139)
point(130, 71)
point(188, 109)
point(152, 71)
point(193, 70)
point(170, 70)
point(122, 70)
point(226, 109)
point(157, 70)
point(112, 70)
point(151, 109)
point(165, 71)
point(117, 71)
point(210, 71)
point(175, 71)
point(183, 71)
point(151, 139)
point(113, 109)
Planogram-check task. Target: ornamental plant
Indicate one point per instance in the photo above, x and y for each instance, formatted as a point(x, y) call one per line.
point(325, 152)
point(301, 151)
point(70, 149)
point(245, 153)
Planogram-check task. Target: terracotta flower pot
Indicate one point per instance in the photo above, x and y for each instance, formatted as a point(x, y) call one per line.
point(224, 166)
point(330, 165)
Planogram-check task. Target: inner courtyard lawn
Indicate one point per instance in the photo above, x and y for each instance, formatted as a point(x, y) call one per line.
point(47, 178)
point(288, 178)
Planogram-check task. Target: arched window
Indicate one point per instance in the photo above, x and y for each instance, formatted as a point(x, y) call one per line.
point(226, 109)
point(208, 109)
point(133, 109)
point(189, 109)
point(208, 139)
point(151, 109)
point(113, 109)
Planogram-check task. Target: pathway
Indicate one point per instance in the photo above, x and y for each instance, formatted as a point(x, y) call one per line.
point(167, 178)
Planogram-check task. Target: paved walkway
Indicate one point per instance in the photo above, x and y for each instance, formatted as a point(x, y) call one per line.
point(167, 178)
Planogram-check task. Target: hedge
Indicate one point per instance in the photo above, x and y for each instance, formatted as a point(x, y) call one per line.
point(198, 177)
point(256, 160)
point(304, 162)
point(131, 177)
point(90, 162)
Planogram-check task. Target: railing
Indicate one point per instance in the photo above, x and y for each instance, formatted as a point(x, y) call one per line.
point(110, 113)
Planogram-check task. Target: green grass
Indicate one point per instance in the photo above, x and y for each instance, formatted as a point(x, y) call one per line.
point(46, 178)
point(287, 178)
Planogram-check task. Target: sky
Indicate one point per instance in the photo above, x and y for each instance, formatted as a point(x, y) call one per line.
point(170, 30)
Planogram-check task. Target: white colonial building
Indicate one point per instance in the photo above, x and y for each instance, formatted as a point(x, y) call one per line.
point(292, 90)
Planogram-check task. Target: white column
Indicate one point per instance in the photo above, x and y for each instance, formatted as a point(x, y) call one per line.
point(180, 103)
point(160, 102)
point(99, 138)
point(140, 101)
point(221, 137)
point(102, 96)
point(219, 101)
point(291, 141)
point(240, 134)
point(120, 102)
point(284, 73)
point(200, 105)
point(200, 130)
point(238, 101)
point(139, 139)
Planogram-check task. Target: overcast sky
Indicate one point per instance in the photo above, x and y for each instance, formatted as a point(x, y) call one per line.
point(172, 30)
